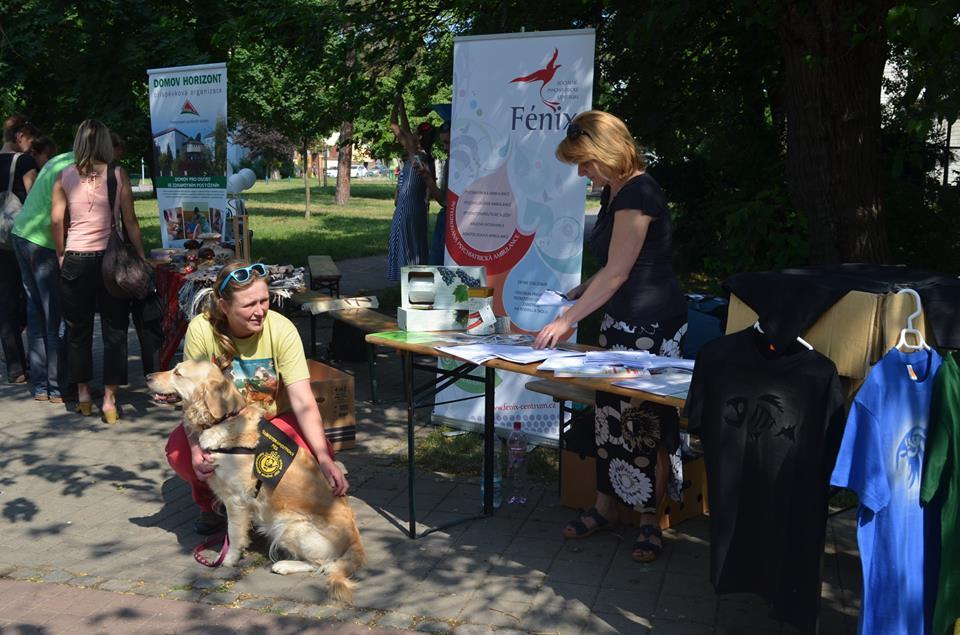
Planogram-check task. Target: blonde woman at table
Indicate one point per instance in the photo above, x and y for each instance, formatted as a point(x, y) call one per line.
point(81, 192)
point(644, 309)
point(264, 354)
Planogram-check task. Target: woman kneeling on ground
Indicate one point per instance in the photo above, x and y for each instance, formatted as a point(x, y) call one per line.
point(262, 351)
point(644, 309)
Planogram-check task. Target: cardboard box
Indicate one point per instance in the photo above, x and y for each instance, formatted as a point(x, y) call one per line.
point(428, 287)
point(855, 332)
point(431, 319)
point(578, 489)
point(334, 391)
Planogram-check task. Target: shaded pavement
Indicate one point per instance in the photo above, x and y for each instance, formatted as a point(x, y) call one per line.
point(96, 535)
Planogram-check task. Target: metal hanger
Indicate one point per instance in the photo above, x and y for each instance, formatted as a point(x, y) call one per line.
point(756, 325)
point(910, 329)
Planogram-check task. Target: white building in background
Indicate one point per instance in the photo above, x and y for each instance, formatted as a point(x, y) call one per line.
point(951, 144)
point(172, 140)
point(948, 167)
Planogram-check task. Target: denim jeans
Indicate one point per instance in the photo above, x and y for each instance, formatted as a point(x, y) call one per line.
point(84, 294)
point(11, 315)
point(41, 282)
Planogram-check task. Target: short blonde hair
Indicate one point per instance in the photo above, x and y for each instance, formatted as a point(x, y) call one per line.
point(603, 138)
point(92, 145)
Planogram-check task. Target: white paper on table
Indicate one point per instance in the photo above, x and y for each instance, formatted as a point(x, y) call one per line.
point(479, 353)
point(665, 384)
point(566, 362)
point(554, 298)
point(473, 353)
point(637, 359)
point(528, 354)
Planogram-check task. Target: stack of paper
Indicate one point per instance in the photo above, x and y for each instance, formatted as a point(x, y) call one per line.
point(668, 384)
point(637, 359)
point(479, 353)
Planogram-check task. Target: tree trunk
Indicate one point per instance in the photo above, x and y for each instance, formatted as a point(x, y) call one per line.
point(152, 166)
point(834, 54)
point(324, 164)
point(306, 179)
point(344, 158)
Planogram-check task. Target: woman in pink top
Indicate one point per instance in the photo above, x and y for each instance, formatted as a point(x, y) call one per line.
point(81, 220)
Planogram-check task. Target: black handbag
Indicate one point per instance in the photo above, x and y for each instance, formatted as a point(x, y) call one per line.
point(126, 275)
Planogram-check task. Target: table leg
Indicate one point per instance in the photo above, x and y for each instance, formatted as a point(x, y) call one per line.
point(489, 438)
point(372, 367)
point(411, 446)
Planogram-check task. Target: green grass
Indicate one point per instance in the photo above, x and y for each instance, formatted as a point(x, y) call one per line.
point(462, 454)
point(281, 235)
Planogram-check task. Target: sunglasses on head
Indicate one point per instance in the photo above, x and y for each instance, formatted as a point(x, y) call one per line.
point(574, 130)
point(244, 275)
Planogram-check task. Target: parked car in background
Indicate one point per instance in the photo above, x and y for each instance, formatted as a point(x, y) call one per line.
point(332, 171)
point(358, 171)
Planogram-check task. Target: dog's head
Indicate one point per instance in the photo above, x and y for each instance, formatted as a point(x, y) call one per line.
point(208, 396)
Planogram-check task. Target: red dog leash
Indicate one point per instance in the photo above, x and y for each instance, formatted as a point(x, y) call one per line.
point(198, 552)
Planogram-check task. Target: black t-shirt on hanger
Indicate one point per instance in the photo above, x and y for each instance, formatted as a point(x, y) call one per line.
point(771, 426)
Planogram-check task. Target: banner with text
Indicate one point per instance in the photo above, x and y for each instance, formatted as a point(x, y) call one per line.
point(188, 119)
point(512, 206)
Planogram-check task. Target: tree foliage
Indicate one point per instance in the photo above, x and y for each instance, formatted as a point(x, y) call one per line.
point(764, 117)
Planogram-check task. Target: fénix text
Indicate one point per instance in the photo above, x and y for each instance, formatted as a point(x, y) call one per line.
point(523, 118)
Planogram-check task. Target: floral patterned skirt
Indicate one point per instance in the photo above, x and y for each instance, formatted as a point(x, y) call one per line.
point(629, 437)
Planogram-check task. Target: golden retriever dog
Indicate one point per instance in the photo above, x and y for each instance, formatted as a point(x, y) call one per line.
point(301, 516)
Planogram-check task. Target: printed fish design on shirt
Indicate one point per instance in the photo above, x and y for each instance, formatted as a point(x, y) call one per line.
point(910, 450)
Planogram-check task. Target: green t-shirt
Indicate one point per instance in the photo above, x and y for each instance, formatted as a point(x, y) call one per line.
point(33, 221)
point(941, 482)
point(272, 356)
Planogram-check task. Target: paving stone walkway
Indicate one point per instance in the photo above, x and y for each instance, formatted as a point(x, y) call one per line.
point(96, 535)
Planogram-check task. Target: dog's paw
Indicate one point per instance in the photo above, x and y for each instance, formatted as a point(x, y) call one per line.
point(213, 438)
point(286, 567)
point(232, 559)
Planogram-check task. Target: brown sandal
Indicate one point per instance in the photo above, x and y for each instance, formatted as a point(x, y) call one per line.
point(644, 550)
point(579, 529)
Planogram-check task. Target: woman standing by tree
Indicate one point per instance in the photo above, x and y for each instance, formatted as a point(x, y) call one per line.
point(16, 162)
point(644, 309)
point(408, 232)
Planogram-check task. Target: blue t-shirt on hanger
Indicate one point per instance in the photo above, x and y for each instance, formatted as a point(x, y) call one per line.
point(881, 459)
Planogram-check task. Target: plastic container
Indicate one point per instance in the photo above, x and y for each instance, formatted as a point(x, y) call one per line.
point(517, 465)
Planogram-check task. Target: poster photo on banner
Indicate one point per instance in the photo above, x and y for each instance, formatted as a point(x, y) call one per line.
point(512, 207)
point(188, 120)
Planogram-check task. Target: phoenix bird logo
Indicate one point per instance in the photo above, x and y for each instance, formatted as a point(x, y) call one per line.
point(188, 109)
point(544, 75)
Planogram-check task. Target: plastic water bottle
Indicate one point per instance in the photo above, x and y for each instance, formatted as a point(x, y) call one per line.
point(497, 477)
point(517, 465)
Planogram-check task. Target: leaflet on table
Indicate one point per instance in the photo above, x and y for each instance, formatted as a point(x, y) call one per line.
point(554, 298)
point(637, 359)
point(604, 371)
point(479, 353)
point(579, 366)
point(668, 384)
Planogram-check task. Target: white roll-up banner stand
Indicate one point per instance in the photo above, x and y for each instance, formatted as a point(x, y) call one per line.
point(512, 206)
point(188, 119)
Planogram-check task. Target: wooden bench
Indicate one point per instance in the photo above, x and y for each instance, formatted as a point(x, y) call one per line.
point(365, 319)
point(324, 274)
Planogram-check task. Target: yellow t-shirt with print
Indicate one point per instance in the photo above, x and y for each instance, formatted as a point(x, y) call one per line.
point(267, 360)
